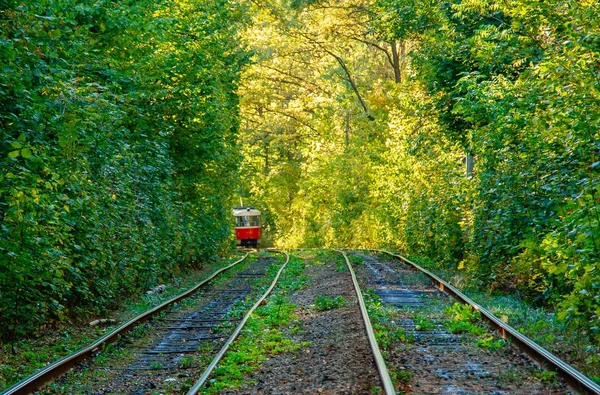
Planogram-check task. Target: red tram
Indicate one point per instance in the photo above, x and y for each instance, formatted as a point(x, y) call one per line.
point(247, 226)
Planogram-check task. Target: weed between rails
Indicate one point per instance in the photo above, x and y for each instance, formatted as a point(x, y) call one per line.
point(388, 336)
point(324, 303)
point(463, 319)
point(264, 334)
point(381, 319)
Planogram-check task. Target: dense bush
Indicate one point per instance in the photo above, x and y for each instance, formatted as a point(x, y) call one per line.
point(118, 122)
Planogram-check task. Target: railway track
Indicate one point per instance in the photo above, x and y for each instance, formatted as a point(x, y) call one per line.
point(412, 350)
point(426, 350)
point(167, 342)
point(340, 352)
point(438, 355)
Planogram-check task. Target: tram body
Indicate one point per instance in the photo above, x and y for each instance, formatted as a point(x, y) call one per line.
point(247, 226)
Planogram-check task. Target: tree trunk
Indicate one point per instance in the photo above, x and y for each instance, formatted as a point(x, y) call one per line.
point(470, 164)
point(396, 61)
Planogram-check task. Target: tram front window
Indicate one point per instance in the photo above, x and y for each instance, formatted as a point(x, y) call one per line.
point(246, 220)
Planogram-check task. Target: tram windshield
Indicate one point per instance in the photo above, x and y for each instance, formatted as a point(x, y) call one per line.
point(246, 220)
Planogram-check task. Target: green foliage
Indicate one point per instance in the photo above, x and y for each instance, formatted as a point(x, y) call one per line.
point(385, 333)
point(463, 319)
point(423, 323)
point(323, 303)
point(294, 277)
point(546, 376)
point(401, 376)
point(355, 259)
point(116, 143)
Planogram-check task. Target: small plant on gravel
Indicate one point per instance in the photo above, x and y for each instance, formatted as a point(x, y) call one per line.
point(463, 319)
point(383, 336)
point(464, 327)
point(297, 328)
point(386, 336)
point(401, 335)
point(323, 303)
point(156, 365)
point(340, 264)
point(321, 257)
point(401, 377)
point(385, 333)
point(545, 376)
point(510, 375)
point(186, 362)
point(423, 323)
point(355, 259)
point(489, 343)
point(294, 278)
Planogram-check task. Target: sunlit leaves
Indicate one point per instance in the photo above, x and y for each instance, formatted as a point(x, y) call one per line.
point(516, 83)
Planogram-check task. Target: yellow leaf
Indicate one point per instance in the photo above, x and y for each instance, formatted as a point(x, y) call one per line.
point(67, 208)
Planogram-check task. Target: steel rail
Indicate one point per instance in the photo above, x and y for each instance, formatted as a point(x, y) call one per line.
point(574, 378)
point(202, 380)
point(35, 381)
point(384, 373)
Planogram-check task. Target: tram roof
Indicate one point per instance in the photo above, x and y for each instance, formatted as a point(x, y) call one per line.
point(239, 211)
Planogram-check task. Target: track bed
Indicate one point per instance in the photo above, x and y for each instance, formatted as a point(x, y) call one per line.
point(426, 356)
point(164, 355)
point(308, 334)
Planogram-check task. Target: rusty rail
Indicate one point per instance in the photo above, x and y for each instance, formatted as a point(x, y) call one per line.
point(384, 374)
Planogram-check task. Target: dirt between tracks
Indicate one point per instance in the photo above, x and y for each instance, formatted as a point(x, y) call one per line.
point(338, 359)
